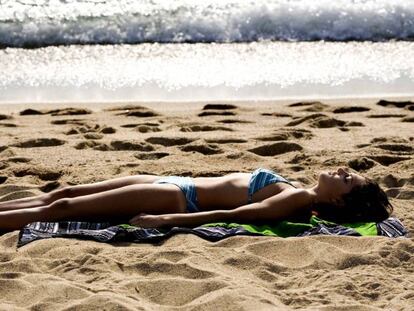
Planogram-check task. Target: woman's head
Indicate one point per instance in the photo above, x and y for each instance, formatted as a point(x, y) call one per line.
point(352, 198)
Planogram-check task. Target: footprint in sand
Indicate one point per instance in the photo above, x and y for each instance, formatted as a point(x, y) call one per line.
point(286, 134)
point(107, 130)
point(276, 148)
point(354, 123)
point(216, 113)
point(361, 164)
point(8, 125)
point(2, 148)
point(207, 149)
point(302, 158)
point(231, 121)
point(88, 127)
point(407, 119)
point(69, 111)
point(116, 145)
point(169, 141)
point(71, 121)
point(40, 142)
point(400, 148)
point(126, 107)
point(140, 113)
point(401, 194)
point(204, 128)
point(219, 107)
point(392, 181)
point(398, 104)
point(348, 109)
point(19, 159)
point(297, 168)
point(386, 115)
point(5, 117)
point(387, 160)
point(227, 141)
point(134, 111)
point(28, 112)
point(151, 155)
point(319, 120)
point(119, 145)
point(218, 110)
point(3, 165)
point(145, 127)
point(93, 136)
point(310, 106)
point(276, 114)
point(92, 145)
point(139, 124)
point(50, 186)
point(389, 139)
point(42, 173)
point(394, 144)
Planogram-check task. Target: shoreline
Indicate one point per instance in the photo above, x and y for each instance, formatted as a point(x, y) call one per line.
point(12, 106)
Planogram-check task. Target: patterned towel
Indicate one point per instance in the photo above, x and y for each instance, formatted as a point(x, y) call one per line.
point(106, 232)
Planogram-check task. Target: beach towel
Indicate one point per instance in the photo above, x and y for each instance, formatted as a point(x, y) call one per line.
point(107, 232)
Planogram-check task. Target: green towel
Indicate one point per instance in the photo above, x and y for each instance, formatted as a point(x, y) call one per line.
point(287, 228)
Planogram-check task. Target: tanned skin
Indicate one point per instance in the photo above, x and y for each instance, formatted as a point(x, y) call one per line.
point(143, 203)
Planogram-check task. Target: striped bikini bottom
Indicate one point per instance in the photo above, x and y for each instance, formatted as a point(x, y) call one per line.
point(187, 186)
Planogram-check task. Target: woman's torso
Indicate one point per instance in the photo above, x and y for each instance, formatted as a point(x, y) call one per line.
point(231, 191)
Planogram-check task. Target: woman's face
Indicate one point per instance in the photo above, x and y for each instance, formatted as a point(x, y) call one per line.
point(339, 182)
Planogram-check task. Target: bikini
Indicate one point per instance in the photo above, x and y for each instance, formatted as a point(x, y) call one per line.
point(187, 186)
point(259, 179)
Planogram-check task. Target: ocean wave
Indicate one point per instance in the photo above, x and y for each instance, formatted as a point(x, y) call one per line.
point(29, 23)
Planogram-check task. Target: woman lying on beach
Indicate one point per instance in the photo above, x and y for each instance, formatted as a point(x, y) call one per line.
point(155, 201)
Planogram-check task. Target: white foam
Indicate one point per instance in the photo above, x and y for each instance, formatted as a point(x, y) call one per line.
point(51, 22)
point(265, 70)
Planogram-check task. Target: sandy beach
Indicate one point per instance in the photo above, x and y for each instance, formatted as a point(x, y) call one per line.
point(47, 146)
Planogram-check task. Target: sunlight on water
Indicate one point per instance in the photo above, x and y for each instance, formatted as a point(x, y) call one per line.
point(263, 70)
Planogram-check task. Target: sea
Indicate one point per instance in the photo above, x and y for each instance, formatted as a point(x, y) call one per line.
point(183, 50)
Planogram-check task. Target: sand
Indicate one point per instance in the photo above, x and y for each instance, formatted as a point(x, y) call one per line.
point(41, 152)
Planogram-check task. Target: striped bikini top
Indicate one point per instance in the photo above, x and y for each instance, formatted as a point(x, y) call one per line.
point(261, 178)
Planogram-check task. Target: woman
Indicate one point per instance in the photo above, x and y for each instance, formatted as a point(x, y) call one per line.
point(155, 201)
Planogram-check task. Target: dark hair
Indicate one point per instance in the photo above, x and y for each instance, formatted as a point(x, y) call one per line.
point(365, 203)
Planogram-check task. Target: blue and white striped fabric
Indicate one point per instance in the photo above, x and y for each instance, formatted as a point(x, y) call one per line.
point(106, 232)
point(187, 186)
point(261, 178)
point(392, 227)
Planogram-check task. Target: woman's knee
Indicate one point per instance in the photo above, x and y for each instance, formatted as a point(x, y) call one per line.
point(64, 192)
point(59, 207)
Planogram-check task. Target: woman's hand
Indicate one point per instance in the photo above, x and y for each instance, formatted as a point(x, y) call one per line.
point(148, 221)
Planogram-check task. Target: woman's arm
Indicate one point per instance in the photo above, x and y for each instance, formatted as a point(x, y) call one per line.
point(283, 206)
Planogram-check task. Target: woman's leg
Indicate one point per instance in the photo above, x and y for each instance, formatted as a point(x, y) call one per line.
point(75, 191)
point(121, 203)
